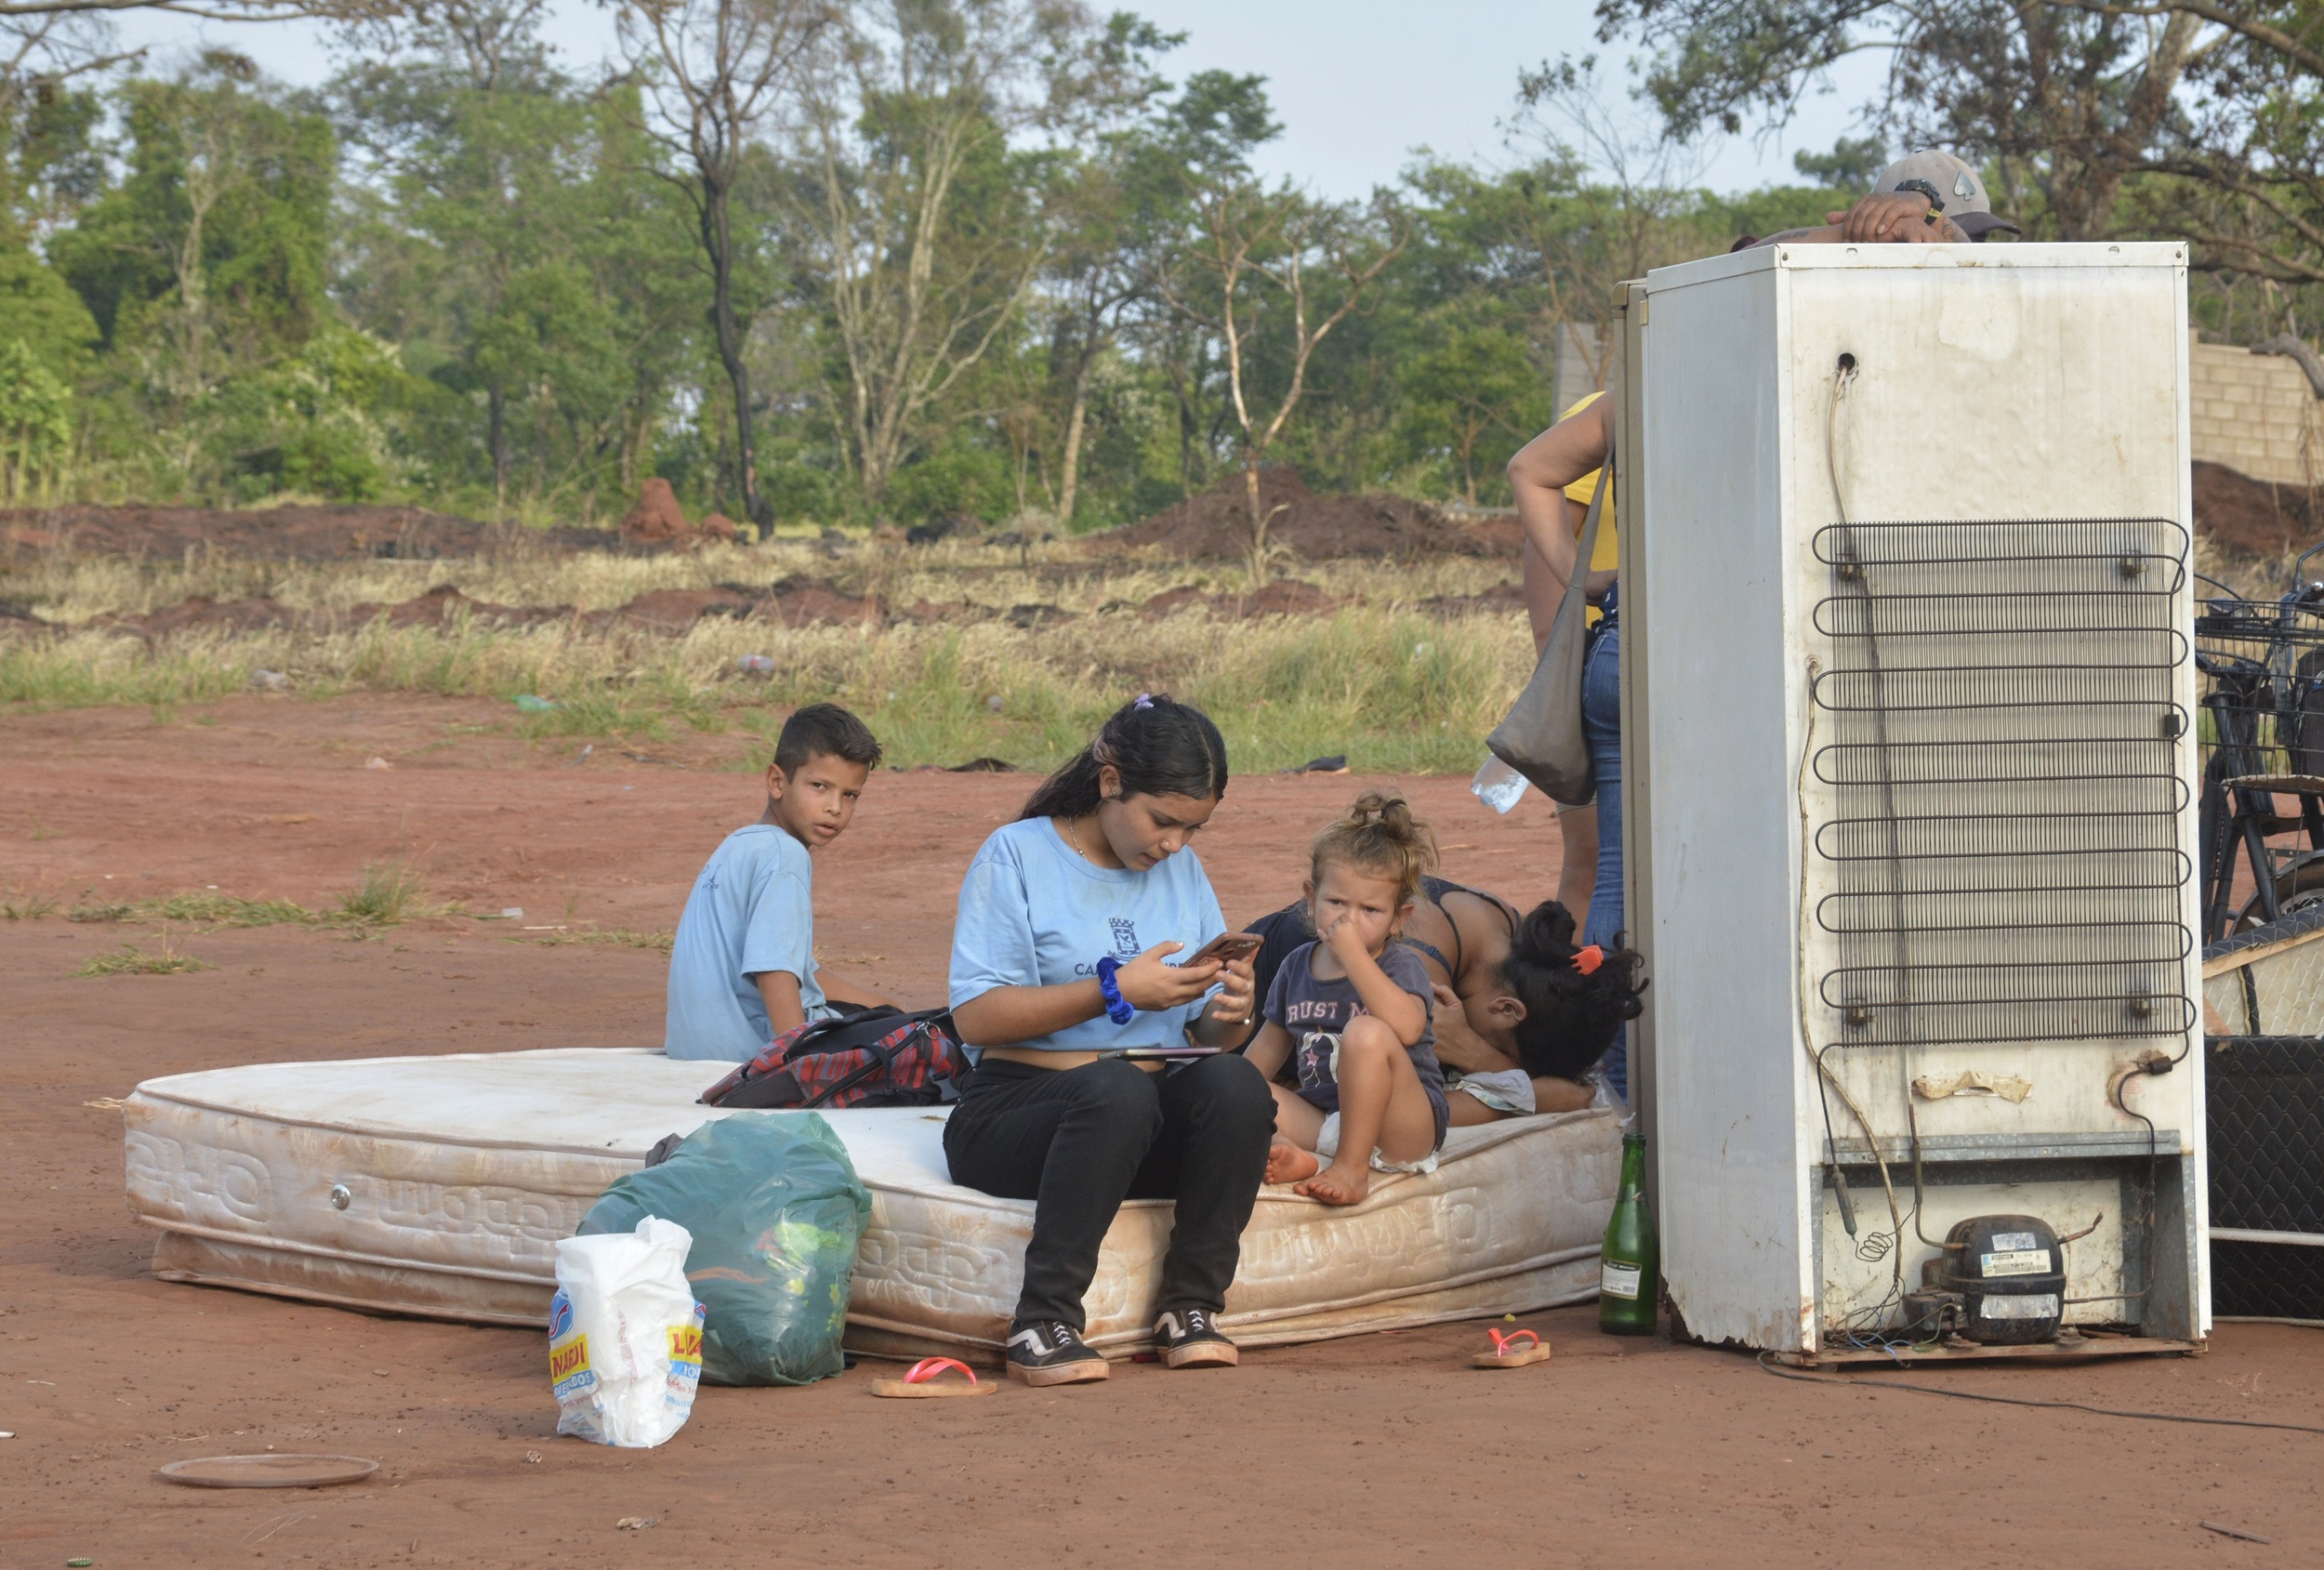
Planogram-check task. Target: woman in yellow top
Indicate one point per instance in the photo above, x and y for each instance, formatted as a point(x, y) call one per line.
point(1552, 476)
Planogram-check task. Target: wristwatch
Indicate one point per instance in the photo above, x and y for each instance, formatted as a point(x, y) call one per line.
point(1118, 1009)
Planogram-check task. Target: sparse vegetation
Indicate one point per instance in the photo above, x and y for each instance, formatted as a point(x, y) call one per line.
point(131, 960)
point(390, 894)
point(625, 937)
point(29, 905)
point(1393, 684)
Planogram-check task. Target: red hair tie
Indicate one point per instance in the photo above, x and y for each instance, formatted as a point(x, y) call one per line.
point(1587, 960)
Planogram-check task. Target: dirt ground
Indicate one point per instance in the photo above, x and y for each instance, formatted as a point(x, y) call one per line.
point(1217, 523)
point(1614, 1453)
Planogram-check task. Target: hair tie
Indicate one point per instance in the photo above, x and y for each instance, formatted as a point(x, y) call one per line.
point(1144, 700)
point(1587, 960)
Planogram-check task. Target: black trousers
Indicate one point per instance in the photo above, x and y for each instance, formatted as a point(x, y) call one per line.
point(1080, 1142)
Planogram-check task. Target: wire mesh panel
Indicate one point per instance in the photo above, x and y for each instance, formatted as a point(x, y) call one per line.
point(1997, 723)
point(2263, 703)
point(2265, 1096)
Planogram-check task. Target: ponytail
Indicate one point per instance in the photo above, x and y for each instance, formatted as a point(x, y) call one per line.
point(1378, 837)
point(1576, 998)
point(1158, 746)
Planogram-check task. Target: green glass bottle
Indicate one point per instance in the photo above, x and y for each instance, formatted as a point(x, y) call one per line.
point(1629, 1268)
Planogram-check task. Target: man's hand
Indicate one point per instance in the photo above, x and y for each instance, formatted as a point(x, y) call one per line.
point(1149, 983)
point(1895, 218)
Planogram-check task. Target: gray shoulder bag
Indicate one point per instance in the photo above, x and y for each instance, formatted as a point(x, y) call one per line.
point(1542, 737)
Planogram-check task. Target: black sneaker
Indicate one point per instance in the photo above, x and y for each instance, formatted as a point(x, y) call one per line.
point(1049, 1352)
point(1191, 1339)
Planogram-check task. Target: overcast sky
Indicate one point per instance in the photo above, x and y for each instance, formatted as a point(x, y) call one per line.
point(1357, 84)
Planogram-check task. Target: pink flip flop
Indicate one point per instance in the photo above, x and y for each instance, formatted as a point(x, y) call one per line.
point(919, 1380)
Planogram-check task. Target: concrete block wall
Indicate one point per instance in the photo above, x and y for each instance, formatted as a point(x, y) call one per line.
point(2255, 414)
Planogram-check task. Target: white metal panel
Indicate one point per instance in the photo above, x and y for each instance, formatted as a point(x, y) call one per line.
point(2021, 381)
point(1735, 1242)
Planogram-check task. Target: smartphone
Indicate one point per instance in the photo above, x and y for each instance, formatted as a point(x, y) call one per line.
point(1226, 946)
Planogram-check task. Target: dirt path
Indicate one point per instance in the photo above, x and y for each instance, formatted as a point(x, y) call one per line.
point(1376, 1450)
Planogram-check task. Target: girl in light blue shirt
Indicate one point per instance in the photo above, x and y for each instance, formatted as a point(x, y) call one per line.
point(1061, 960)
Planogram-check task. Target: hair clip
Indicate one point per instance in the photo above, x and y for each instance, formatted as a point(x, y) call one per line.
point(1587, 960)
point(1144, 700)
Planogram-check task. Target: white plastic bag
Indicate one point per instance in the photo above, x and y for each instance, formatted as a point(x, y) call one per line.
point(624, 1335)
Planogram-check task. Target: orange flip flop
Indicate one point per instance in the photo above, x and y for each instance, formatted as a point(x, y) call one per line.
point(1512, 1348)
point(919, 1380)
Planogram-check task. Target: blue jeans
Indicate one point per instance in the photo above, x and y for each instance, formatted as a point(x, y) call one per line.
point(1601, 726)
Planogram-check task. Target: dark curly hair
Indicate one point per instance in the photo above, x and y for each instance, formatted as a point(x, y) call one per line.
point(1570, 1017)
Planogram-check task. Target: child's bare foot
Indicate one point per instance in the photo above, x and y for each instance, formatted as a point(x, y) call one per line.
point(1289, 1164)
point(1338, 1185)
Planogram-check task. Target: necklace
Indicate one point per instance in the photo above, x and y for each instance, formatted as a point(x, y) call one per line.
point(1072, 833)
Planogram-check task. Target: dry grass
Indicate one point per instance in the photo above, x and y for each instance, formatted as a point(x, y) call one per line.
point(1394, 687)
point(72, 590)
point(131, 960)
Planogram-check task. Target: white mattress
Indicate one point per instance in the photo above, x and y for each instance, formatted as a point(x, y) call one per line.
point(441, 1185)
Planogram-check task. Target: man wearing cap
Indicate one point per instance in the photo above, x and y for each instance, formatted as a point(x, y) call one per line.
point(1924, 198)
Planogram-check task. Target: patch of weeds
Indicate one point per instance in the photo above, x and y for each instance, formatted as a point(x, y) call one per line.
point(31, 905)
point(626, 937)
point(388, 893)
point(225, 910)
point(132, 960)
point(39, 830)
point(107, 911)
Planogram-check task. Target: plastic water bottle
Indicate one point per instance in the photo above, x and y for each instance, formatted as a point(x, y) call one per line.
point(1498, 785)
point(1630, 1261)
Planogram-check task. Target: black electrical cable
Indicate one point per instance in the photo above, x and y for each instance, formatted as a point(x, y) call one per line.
point(2028, 1401)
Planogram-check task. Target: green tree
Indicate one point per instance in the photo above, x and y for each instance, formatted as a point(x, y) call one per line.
point(719, 71)
point(513, 235)
point(1474, 400)
point(209, 260)
point(36, 421)
point(921, 227)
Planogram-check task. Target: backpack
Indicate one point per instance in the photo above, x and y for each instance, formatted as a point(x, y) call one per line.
point(876, 1057)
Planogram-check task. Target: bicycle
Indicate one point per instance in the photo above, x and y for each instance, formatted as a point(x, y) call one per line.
point(2262, 663)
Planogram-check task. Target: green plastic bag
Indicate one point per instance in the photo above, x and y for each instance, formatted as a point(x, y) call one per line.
point(776, 1211)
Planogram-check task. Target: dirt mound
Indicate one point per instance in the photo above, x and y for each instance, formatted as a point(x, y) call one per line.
point(1500, 597)
point(675, 610)
point(444, 603)
point(658, 519)
point(807, 601)
point(202, 613)
point(792, 602)
point(281, 534)
point(1217, 523)
point(1285, 597)
point(2250, 517)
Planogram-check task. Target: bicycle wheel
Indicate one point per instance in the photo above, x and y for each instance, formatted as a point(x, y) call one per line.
point(2297, 889)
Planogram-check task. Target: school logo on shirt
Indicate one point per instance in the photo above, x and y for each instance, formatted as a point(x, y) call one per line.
point(1125, 938)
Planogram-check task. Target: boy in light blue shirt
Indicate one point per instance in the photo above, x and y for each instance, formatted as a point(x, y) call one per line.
point(741, 968)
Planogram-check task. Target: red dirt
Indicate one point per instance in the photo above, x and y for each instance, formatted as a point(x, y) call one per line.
point(2250, 517)
point(201, 613)
point(1285, 597)
point(1217, 523)
point(342, 532)
point(443, 603)
point(1614, 1453)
